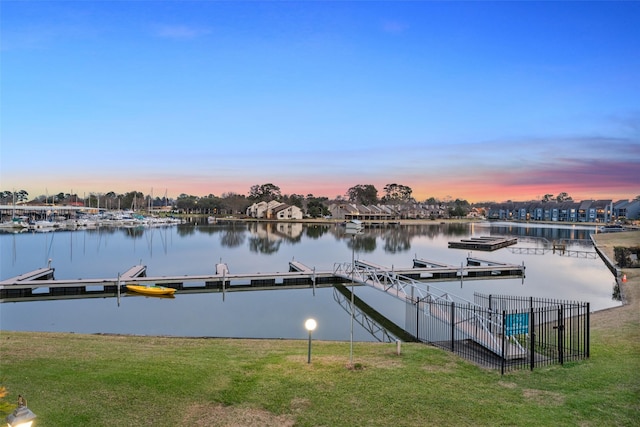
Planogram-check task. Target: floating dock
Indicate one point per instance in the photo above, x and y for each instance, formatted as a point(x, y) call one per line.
point(483, 243)
point(41, 285)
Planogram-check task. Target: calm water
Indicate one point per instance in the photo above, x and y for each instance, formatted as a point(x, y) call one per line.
point(247, 248)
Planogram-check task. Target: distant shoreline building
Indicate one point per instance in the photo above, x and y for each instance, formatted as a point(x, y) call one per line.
point(274, 210)
point(603, 211)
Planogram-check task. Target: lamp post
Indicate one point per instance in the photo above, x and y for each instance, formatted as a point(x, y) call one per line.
point(21, 416)
point(353, 246)
point(310, 325)
point(353, 227)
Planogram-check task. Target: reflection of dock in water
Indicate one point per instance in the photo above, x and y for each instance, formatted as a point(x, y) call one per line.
point(379, 326)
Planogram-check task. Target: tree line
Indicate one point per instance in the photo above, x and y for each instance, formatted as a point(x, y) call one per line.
point(233, 203)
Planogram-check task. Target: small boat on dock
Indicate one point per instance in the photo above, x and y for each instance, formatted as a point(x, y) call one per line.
point(151, 290)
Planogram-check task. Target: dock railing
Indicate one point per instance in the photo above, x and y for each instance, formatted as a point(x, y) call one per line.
point(521, 332)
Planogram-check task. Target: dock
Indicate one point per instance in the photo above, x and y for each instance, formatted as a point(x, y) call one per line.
point(299, 267)
point(11, 287)
point(432, 271)
point(424, 263)
point(39, 274)
point(40, 284)
point(483, 243)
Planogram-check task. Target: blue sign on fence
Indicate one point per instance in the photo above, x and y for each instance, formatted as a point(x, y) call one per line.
point(516, 324)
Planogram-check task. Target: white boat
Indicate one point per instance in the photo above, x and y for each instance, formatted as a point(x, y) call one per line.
point(43, 224)
point(15, 223)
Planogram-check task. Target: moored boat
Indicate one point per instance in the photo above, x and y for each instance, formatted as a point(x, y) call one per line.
point(611, 228)
point(15, 223)
point(151, 289)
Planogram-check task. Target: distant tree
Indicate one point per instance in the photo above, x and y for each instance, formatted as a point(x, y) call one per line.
point(92, 200)
point(397, 193)
point(210, 205)
point(459, 208)
point(547, 198)
point(187, 203)
point(637, 197)
point(234, 203)
point(432, 201)
point(132, 200)
point(264, 192)
point(6, 196)
point(294, 200)
point(363, 194)
point(316, 206)
point(563, 197)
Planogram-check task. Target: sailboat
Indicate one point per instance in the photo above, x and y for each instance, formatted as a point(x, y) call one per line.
point(15, 222)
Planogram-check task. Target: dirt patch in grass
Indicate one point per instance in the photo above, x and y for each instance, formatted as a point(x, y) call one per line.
point(299, 405)
point(507, 385)
point(216, 415)
point(543, 397)
point(444, 367)
point(372, 361)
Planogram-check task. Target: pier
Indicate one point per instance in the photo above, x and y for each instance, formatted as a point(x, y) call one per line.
point(483, 243)
point(40, 284)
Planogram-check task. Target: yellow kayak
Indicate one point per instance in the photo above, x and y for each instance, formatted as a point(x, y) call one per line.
point(151, 289)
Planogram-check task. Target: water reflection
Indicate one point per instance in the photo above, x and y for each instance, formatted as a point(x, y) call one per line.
point(266, 237)
point(194, 248)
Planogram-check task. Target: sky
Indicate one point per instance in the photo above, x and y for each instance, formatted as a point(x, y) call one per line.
point(483, 101)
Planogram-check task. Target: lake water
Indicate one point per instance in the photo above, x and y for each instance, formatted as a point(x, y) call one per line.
point(195, 248)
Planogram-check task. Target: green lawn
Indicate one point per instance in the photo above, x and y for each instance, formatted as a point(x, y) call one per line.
point(82, 380)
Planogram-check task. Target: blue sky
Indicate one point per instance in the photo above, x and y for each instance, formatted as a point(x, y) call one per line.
point(476, 100)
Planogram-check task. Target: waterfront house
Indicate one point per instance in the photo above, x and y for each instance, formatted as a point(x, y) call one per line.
point(567, 211)
point(273, 210)
point(625, 209)
point(284, 211)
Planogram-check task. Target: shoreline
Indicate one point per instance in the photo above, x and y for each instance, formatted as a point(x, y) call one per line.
point(422, 221)
point(627, 313)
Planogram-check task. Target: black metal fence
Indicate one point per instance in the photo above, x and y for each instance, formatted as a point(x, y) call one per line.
point(504, 332)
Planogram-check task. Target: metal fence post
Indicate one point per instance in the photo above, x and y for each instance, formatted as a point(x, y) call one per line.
point(532, 338)
point(504, 337)
point(587, 341)
point(453, 324)
point(560, 328)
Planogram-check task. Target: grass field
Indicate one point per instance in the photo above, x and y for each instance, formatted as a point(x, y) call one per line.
point(103, 380)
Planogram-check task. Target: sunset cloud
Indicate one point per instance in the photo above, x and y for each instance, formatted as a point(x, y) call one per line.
point(320, 98)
